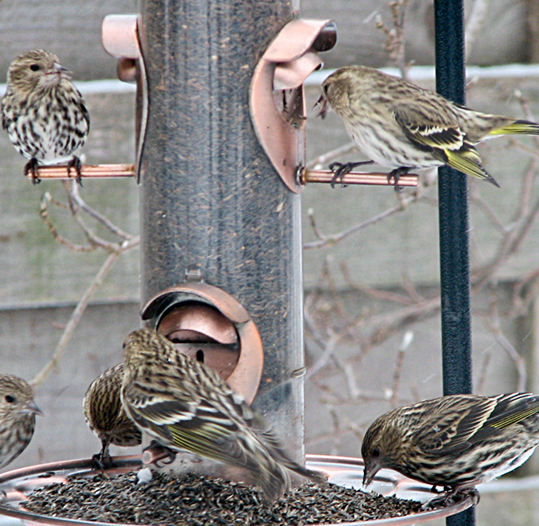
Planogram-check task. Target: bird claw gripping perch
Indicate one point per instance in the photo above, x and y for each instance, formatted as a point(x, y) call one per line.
point(279, 118)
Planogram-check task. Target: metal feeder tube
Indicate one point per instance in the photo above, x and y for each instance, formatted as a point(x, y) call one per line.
point(210, 198)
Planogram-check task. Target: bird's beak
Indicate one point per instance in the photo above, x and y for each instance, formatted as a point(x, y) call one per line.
point(32, 409)
point(58, 72)
point(59, 68)
point(369, 474)
point(323, 103)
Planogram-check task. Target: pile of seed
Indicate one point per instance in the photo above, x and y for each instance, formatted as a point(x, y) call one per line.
point(198, 500)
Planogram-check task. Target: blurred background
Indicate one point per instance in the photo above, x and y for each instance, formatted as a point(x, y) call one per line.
point(371, 255)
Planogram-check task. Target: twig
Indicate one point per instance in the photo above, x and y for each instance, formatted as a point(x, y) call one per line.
point(93, 239)
point(44, 213)
point(483, 371)
point(326, 355)
point(406, 341)
point(326, 157)
point(382, 295)
point(395, 43)
point(331, 240)
point(474, 24)
point(79, 311)
point(492, 322)
point(75, 194)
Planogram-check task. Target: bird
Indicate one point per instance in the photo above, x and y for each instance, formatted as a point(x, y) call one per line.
point(404, 127)
point(17, 417)
point(43, 113)
point(454, 442)
point(106, 417)
point(184, 405)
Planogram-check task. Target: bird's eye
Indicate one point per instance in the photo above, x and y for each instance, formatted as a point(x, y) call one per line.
point(10, 399)
point(35, 67)
point(375, 452)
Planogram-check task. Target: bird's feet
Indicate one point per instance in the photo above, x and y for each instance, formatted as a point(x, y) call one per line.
point(77, 165)
point(453, 496)
point(31, 167)
point(395, 175)
point(341, 169)
point(156, 452)
point(102, 461)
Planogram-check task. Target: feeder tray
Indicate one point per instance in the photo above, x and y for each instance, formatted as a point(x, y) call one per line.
point(16, 485)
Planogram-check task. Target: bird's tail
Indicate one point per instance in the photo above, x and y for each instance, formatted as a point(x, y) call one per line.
point(518, 127)
point(283, 465)
point(467, 160)
point(271, 478)
point(272, 467)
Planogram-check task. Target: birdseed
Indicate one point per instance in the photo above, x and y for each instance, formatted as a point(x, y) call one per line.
point(197, 500)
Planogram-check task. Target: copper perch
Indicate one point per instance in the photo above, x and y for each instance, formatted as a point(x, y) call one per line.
point(372, 178)
point(87, 171)
point(308, 176)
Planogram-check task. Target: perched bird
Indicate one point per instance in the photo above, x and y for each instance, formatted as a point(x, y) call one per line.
point(17, 417)
point(105, 415)
point(402, 126)
point(44, 113)
point(454, 441)
point(184, 404)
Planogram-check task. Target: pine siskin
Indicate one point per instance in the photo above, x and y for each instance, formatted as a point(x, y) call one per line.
point(17, 417)
point(402, 126)
point(105, 415)
point(44, 113)
point(185, 405)
point(454, 441)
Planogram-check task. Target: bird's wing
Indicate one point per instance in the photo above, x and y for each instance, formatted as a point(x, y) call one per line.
point(182, 420)
point(510, 409)
point(439, 133)
point(437, 130)
point(452, 423)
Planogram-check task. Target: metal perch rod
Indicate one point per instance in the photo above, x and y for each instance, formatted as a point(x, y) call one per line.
point(87, 171)
point(308, 176)
point(370, 178)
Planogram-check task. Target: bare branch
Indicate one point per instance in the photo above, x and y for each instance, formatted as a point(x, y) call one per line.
point(475, 23)
point(79, 311)
point(326, 158)
point(324, 240)
point(75, 195)
point(44, 213)
point(395, 44)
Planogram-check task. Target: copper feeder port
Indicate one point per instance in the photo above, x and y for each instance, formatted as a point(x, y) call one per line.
point(209, 325)
point(277, 95)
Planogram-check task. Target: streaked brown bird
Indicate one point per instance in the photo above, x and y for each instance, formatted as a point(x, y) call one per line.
point(44, 113)
point(105, 415)
point(184, 404)
point(455, 442)
point(17, 417)
point(404, 127)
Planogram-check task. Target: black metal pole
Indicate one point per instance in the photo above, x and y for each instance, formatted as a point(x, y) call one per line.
point(211, 199)
point(453, 216)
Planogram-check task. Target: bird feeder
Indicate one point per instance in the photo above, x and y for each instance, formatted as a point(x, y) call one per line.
point(221, 165)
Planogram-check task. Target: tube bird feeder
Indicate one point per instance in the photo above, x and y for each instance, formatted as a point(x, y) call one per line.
point(212, 202)
point(220, 161)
